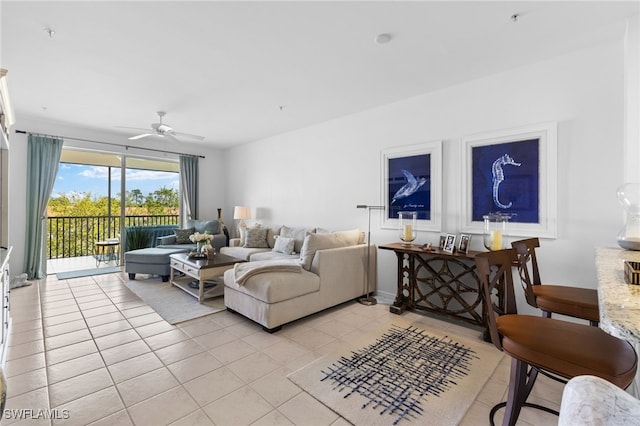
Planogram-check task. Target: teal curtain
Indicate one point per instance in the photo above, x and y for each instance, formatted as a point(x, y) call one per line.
point(43, 157)
point(189, 185)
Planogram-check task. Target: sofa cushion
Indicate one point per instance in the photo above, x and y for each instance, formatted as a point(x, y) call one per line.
point(256, 238)
point(243, 252)
point(274, 287)
point(182, 235)
point(315, 242)
point(272, 255)
point(284, 245)
point(298, 234)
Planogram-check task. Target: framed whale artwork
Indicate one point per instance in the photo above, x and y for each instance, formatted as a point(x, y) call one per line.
point(512, 172)
point(412, 181)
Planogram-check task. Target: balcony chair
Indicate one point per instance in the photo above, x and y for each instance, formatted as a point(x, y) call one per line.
point(575, 302)
point(558, 349)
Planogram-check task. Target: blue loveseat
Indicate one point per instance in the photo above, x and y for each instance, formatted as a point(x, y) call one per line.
point(155, 231)
point(212, 226)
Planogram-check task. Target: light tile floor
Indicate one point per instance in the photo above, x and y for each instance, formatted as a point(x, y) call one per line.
point(93, 352)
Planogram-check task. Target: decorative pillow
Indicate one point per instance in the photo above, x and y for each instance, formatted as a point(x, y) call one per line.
point(314, 242)
point(272, 234)
point(298, 234)
point(284, 245)
point(351, 237)
point(256, 238)
point(182, 235)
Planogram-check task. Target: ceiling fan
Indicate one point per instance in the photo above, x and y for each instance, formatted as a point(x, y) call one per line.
point(163, 130)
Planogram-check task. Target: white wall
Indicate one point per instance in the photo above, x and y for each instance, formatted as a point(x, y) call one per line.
point(211, 172)
point(632, 99)
point(317, 175)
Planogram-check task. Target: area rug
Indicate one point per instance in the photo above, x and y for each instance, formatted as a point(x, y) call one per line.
point(171, 303)
point(87, 272)
point(401, 374)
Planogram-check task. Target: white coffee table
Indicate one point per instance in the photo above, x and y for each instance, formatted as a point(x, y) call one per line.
point(201, 271)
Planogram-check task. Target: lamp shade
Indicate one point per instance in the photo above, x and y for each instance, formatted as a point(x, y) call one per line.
point(241, 212)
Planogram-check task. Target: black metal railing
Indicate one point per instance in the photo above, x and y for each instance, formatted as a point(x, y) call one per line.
point(73, 236)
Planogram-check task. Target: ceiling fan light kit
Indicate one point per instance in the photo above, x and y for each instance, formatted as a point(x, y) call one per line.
point(163, 130)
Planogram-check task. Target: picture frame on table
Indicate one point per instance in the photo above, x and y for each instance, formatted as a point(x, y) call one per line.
point(465, 242)
point(442, 240)
point(449, 244)
point(511, 172)
point(412, 181)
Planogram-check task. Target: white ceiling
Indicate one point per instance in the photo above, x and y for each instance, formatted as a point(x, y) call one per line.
point(240, 71)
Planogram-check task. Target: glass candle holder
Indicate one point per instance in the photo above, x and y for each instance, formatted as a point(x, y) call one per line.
point(408, 226)
point(495, 231)
point(629, 235)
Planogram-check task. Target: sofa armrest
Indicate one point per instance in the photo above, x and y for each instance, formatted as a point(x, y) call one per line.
point(219, 241)
point(167, 239)
point(340, 269)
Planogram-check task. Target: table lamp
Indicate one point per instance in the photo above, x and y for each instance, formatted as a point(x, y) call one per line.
point(241, 213)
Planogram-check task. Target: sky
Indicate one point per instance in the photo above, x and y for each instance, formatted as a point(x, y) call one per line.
point(73, 179)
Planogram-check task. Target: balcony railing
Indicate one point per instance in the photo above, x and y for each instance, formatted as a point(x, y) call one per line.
point(73, 236)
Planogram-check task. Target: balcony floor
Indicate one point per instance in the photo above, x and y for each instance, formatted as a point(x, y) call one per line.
point(74, 264)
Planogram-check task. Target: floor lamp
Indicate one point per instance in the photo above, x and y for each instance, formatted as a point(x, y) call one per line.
point(369, 300)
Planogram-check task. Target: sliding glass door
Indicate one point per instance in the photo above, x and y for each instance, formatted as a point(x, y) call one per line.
point(93, 200)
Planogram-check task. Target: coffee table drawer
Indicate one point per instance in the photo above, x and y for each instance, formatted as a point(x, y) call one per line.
point(176, 264)
point(187, 269)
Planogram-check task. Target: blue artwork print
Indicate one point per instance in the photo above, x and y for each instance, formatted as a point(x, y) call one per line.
point(409, 186)
point(506, 179)
point(498, 177)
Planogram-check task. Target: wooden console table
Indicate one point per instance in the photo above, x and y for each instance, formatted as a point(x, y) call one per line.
point(438, 282)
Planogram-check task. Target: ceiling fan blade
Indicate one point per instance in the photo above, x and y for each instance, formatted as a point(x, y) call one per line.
point(188, 135)
point(171, 136)
point(132, 128)
point(144, 135)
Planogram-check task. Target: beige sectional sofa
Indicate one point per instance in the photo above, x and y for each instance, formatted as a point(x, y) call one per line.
point(317, 269)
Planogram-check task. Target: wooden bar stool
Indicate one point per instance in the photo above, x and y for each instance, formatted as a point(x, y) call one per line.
point(571, 301)
point(559, 349)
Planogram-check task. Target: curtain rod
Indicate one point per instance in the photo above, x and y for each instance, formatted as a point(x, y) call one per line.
point(109, 143)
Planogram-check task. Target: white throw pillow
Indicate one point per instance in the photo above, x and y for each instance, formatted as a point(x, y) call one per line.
point(284, 245)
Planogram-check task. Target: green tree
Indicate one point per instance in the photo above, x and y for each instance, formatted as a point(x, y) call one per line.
point(84, 219)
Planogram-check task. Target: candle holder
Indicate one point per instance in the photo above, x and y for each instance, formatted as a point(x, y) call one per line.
point(408, 226)
point(629, 235)
point(495, 231)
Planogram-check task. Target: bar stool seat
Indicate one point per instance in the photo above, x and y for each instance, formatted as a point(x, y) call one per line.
point(575, 302)
point(568, 349)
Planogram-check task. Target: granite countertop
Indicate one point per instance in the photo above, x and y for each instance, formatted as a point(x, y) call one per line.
point(618, 301)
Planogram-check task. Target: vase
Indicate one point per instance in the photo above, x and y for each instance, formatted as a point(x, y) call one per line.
point(495, 231)
point(224, 227)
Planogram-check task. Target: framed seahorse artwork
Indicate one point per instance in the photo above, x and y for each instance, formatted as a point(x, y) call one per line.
point(412, 181)
point(512, 172)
